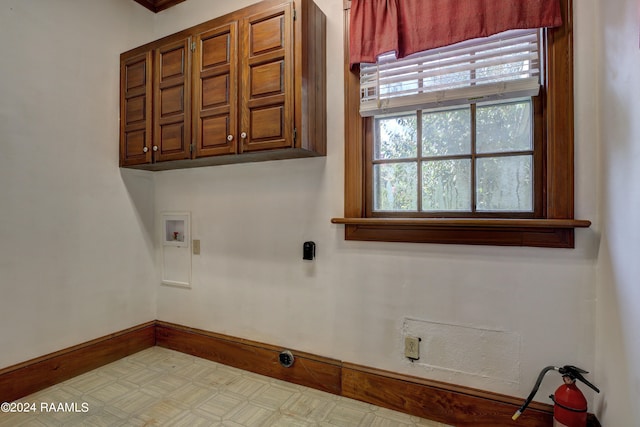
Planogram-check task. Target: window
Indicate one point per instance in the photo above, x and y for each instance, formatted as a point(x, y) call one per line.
point(461, 141)
point(477, 159)
point(455, 166)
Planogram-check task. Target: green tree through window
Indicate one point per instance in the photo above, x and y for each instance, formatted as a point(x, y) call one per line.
point(454, 168)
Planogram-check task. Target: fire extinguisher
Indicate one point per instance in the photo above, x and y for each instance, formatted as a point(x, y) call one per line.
point(570, 405)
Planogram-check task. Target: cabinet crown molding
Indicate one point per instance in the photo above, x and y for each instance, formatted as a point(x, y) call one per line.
point(158, 5)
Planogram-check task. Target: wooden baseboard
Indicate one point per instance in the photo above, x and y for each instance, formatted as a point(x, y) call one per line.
point(308, 370)
point(443, 402)
point(446, 403)
point(28, 377)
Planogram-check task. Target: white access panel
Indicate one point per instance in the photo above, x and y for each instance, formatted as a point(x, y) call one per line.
point(176, 254)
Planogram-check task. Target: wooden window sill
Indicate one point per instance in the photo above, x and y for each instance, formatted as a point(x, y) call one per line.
point(553, 233)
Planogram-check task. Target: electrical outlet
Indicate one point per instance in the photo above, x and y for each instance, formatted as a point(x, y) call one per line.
point(412, 348)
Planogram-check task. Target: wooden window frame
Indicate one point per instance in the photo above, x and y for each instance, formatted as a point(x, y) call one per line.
point(554, 227)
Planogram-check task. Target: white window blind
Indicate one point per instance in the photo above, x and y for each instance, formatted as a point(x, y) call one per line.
point(501, 66)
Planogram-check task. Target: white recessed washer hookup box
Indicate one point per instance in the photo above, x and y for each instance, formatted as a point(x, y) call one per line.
point(176, 229)
point(176, 255)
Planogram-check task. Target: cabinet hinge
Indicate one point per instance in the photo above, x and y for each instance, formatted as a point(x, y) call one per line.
point(295, 14)
point(192, 148)
point(295, 135)
point(193, 46)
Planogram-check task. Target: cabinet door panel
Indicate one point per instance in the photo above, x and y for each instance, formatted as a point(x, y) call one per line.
point(134, 144)
point(172, 62)
point(172, 139)
point(268, 80)
point(213, 131)
point(172, 132)
point(267, 123)
point(172, 101)
point(216, 47)
point(135, 109)
point(215, 71)
point(215, 91)
point(136, 73)
point(267, 35)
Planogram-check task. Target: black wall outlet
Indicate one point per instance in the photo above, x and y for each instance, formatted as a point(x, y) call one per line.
point(309, 250)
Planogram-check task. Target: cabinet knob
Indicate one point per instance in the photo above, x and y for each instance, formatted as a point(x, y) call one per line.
point(229, 137)
point(145, 149)
point(155, 148)
point(243, 135)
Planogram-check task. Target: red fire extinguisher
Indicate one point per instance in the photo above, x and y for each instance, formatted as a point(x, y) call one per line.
point(570, 405)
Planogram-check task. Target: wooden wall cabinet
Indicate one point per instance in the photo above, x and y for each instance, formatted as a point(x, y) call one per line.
point(248, 86)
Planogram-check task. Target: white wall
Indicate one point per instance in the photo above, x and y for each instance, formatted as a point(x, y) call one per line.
point(618, 289)
point(77, 258)
point(76, 250)
point(352, 302)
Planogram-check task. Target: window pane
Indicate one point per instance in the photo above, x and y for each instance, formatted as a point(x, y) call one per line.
point(518, 59)
point(402, 88)
point(445, 77)
point(446, 132)
point(446, 185)
point(395, 187)
point(503, 127)
point(396, 137)
point(505, 184)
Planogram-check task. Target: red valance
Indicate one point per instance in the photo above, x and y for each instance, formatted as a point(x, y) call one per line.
point(410, 26)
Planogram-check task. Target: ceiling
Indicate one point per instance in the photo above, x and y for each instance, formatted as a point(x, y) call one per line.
point(158, 5)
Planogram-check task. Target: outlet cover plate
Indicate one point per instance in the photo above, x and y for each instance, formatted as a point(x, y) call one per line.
point(412, 347)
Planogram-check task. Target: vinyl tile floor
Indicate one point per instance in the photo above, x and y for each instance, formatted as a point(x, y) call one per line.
point(161, 387)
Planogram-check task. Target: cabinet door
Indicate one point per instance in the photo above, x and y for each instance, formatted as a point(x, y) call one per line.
point(215, 76)
point(172, 126)
point(267, 101)
point(135, 109)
